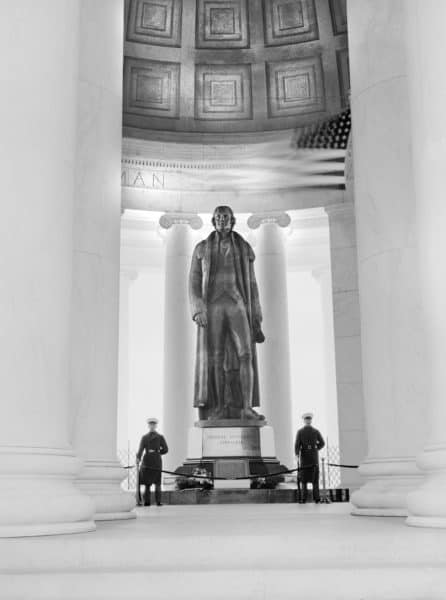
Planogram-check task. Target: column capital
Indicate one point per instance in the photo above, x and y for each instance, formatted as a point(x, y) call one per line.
point(179, 218)
point(346, 210)
point(282, 219)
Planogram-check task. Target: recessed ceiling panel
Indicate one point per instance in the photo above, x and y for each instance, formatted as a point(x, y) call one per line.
point(151, 88)
point(155, 22)
point(223, 92)
point(289, 22)
point(338, 9)
point(222, 24)
point(295, 87)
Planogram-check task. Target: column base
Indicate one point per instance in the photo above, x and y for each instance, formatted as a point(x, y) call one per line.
point(427, 504)
point(101, 480)
point(38, 495)
point(13, 531)
point(388, 483)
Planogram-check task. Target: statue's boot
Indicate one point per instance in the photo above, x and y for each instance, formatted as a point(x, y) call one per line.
point(251, 414)
point(221, 413)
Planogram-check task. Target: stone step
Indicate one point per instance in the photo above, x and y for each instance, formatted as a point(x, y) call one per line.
point(415, 583)
point(272, 552)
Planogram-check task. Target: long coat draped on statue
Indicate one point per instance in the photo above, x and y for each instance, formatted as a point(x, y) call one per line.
point(201, 277)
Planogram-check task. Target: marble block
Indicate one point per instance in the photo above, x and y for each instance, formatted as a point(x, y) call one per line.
point(221, 442)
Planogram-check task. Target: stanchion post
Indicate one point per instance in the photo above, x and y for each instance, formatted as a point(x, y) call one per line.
point(324, 496)
point(138, 489)
point(128, 464)
point(327, 452)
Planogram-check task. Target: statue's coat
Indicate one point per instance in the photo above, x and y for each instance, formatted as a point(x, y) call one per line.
point(201, 276)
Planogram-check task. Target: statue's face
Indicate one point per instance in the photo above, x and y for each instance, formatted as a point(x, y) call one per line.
point(223, 220)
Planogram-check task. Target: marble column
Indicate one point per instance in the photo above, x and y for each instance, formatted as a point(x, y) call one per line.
point(127, 277)
point(322, 275)
point(38, 78)
point(274, 354)
point(394, 372)
point(347, 340)
point(427, 95)
point(179, 336)
point(95, 298)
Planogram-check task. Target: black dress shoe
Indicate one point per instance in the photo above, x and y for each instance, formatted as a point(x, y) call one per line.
point(146, 503)
point(159, 504)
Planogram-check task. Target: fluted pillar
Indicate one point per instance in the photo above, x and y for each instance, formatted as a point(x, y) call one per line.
point(179, 336)
point(274, 353)
point(323, 277)
point(127, 277)
point(95, 299)
point(427, 95)
point(37, 163)
point(347, 340)
point(394, 373)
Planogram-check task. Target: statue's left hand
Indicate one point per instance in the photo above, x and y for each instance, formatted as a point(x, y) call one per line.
point(201, 319)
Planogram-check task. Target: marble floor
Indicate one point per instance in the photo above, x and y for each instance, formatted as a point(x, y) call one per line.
point(267, 552)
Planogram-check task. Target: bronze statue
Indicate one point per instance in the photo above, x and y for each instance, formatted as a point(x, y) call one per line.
point(225, 305)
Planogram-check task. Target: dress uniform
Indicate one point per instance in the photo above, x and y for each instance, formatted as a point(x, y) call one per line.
point(308, 443)
point(151, 448)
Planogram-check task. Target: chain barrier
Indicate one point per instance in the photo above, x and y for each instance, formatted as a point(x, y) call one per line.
point(332, 468)
point(263, 476)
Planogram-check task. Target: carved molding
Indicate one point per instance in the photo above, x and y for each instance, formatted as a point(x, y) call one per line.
point(343, 75)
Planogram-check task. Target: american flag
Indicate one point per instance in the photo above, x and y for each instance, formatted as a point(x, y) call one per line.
point(323, 147)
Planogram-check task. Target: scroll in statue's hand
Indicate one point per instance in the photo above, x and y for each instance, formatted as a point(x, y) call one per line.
point(201, 319)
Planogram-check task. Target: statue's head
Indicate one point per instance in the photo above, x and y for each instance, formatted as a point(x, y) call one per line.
point(223, 219)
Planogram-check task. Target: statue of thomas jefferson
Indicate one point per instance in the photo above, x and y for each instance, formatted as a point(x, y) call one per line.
point(225, 305)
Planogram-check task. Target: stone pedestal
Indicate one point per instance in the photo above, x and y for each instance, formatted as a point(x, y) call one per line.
point(231, 449)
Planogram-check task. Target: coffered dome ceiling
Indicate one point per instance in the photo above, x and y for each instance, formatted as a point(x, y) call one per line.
point(212, 68)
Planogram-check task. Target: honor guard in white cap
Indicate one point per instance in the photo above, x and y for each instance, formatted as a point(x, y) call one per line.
point(307, 415)
point(152, 447)
point(306, 448)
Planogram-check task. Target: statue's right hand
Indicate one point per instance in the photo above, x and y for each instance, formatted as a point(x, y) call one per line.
point(201, 319)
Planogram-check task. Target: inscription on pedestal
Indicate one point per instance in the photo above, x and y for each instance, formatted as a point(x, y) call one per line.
point(231, 441)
